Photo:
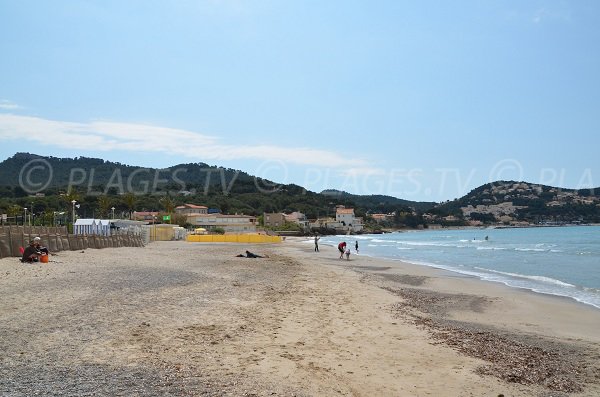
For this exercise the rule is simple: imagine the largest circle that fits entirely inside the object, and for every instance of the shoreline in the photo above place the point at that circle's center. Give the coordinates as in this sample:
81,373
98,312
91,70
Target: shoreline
455,273
178,318
447,280
540,283
514,323
475,307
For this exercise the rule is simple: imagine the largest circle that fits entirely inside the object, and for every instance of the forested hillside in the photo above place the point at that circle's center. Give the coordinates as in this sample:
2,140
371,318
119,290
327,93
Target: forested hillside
99,185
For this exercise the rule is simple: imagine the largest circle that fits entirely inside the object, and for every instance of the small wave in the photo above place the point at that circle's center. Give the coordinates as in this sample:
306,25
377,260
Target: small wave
543,279
376,240
594,290
492,248
539,284
430,244
531,249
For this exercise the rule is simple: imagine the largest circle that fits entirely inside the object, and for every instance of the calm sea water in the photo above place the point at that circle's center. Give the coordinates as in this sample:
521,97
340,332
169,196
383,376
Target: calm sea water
561,261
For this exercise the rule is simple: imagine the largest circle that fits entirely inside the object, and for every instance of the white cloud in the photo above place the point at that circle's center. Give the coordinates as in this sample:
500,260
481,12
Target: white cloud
8,105
363,171
107,136
558,12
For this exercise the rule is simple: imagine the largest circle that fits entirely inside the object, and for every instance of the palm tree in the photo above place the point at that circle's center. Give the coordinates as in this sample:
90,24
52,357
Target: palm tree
130,200
72,194
169,205
103,205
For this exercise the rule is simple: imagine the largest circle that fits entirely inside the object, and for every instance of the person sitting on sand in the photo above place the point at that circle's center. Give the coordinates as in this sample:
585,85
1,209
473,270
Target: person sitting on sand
40,247
31,253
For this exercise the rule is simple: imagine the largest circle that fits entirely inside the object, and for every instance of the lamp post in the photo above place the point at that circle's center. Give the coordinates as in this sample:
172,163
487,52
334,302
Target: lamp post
154,226
25,216
31,215
113,212
73,218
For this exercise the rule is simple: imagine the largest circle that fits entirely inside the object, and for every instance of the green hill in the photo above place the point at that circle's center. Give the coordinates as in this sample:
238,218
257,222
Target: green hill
59,179
511,202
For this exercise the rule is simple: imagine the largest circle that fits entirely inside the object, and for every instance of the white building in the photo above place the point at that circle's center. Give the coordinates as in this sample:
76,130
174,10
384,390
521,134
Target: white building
348,222
88,226
84,226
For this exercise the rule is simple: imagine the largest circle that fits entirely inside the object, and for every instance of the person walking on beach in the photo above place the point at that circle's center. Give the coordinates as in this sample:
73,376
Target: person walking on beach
342,249
317,242
356,246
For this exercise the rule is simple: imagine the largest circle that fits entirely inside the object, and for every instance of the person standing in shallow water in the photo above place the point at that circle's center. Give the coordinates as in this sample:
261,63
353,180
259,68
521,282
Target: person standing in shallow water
317,243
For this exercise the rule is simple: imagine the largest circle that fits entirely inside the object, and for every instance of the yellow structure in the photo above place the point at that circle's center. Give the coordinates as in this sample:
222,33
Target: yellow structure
164,232
233,238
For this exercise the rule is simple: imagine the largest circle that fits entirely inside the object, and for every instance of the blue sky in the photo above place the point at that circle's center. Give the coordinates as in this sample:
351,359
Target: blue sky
419,100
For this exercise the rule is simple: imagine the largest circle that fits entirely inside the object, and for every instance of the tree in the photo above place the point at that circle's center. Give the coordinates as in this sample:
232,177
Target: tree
168,204
103,206
129,200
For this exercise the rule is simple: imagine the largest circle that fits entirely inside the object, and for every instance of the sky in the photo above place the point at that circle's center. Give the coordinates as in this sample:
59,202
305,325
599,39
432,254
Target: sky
420,100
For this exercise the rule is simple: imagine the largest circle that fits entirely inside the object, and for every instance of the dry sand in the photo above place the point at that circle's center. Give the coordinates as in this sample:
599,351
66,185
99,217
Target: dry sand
191,319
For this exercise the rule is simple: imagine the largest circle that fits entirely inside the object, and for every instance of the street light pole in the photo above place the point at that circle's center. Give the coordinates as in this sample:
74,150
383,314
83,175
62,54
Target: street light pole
25,216
154,216
113,212
73,218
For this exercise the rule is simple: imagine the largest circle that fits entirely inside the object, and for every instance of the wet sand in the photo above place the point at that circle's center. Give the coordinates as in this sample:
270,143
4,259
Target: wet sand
192,319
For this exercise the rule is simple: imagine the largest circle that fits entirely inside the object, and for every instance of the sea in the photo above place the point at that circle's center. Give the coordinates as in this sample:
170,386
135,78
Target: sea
563,261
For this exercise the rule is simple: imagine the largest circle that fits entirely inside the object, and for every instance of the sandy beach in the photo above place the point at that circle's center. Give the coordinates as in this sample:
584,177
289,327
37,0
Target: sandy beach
192,319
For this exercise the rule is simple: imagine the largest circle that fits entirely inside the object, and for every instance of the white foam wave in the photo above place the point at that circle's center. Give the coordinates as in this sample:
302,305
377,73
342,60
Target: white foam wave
538,284
542,279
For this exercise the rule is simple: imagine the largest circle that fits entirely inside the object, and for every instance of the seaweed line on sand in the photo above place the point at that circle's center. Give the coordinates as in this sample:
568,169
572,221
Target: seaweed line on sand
512,357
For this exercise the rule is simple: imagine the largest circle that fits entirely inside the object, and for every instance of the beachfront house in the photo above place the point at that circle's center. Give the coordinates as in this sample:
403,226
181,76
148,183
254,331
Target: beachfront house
228,223
298,218
274,219
346,220
191,209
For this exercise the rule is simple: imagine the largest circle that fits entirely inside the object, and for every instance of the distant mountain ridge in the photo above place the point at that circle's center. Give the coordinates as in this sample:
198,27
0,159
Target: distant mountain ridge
106,177
501,202
383,200
513,202
86,171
